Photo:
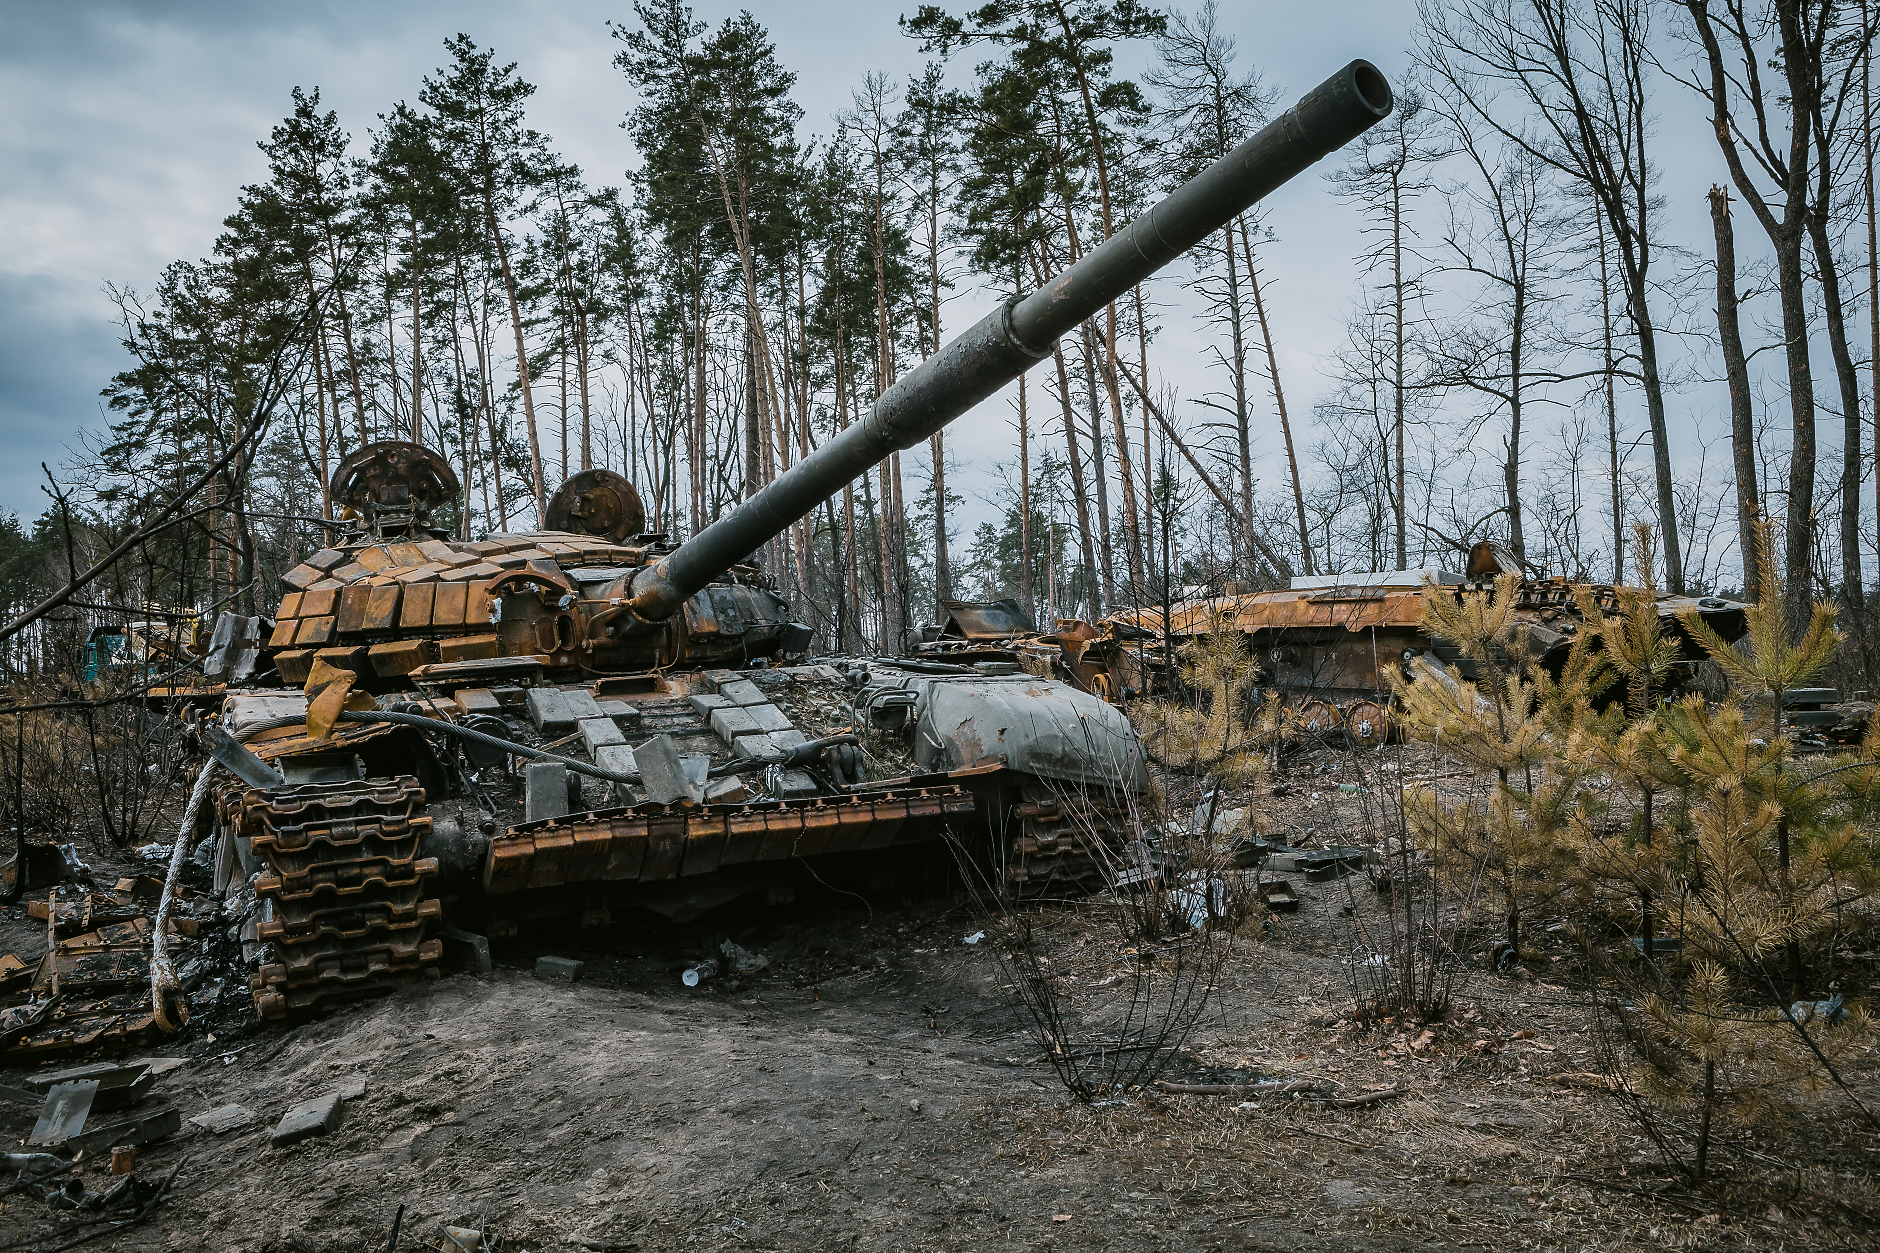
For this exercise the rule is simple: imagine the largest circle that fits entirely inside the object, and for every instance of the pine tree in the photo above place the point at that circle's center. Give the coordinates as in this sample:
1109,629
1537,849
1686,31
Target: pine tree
1512,717
478,105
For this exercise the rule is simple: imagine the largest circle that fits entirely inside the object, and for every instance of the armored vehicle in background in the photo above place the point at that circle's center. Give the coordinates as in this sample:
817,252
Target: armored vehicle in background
411,665
1329,644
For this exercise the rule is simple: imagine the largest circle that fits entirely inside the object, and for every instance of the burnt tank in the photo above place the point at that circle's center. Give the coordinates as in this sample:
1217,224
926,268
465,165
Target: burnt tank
408,667
1330,645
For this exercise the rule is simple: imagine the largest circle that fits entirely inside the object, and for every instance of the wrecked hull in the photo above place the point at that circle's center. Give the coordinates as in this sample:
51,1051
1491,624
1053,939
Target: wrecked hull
1331,647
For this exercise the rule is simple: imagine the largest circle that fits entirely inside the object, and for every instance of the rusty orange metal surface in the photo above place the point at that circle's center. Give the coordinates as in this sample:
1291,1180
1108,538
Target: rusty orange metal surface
654,842
1290,610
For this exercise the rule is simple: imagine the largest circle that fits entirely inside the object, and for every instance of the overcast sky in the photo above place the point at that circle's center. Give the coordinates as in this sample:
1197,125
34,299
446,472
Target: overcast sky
129,127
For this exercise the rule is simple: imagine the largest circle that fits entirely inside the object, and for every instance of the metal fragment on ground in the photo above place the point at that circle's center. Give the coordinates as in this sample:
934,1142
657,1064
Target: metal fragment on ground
146,1128
67,1106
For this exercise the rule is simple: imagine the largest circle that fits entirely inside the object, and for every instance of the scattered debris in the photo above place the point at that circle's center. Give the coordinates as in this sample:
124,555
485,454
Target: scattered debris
1320,865
700,972
974,938
317,1117
1276,1087
558,968
463,1239
120,1086
740,960
1830,1011
1279,896
142,1129
67,1107
466,950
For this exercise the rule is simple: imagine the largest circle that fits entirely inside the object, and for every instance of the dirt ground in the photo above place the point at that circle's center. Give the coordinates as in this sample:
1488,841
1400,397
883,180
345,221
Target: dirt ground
874,1088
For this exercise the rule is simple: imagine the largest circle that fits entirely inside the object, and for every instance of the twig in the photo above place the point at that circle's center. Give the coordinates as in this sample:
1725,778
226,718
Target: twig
1369,1098
1324,1135
1238,1089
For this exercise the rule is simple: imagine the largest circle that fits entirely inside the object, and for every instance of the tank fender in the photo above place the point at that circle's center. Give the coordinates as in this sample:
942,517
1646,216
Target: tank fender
1041,727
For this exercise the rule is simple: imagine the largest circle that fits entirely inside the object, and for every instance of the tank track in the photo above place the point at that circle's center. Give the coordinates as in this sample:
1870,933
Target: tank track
1068,842
343,893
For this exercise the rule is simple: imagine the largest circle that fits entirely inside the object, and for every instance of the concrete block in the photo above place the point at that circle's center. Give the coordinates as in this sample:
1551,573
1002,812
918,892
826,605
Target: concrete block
224,1119
596,732
769,718
558,968
757,745
742,692
625,716
466,950
582,704
729,790
797,785
698,769
715,679
317,1117
704,704
479,700
545,791
663,774
618,758
732,722
549,709
788,739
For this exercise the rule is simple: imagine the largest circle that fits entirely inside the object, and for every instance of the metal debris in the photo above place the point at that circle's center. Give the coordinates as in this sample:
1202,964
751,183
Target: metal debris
67,1106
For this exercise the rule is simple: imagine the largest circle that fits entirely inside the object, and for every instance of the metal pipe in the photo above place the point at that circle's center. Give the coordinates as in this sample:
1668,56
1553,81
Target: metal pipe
1020,331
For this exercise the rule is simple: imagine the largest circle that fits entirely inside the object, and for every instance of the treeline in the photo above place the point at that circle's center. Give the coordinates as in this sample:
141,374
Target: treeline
445,276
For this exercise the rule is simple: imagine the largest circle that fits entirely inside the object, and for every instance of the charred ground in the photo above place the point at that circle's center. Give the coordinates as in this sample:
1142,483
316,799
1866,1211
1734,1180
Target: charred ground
874,1087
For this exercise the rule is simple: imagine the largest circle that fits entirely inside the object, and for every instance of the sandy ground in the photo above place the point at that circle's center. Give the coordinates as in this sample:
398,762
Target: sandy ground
874,1088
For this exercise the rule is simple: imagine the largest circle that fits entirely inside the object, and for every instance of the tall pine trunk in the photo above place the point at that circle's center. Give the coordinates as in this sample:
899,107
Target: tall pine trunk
522,360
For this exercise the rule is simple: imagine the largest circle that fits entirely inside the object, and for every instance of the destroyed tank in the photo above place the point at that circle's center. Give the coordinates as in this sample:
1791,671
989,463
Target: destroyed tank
1328,644
407,665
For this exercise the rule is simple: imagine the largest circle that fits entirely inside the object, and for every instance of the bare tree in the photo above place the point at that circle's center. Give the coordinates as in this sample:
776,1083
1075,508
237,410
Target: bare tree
1580,68
1746,112
1503,236
1384,182
1736,371
1206,108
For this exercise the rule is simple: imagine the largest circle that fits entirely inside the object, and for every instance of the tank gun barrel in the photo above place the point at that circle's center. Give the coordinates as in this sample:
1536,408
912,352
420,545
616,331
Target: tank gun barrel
1021,331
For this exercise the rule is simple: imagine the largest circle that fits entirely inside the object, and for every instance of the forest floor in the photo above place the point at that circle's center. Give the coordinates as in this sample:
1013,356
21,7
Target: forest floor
875,1088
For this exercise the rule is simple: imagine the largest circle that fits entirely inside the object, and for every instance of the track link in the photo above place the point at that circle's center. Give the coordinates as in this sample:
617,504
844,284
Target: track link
1069,843
343,893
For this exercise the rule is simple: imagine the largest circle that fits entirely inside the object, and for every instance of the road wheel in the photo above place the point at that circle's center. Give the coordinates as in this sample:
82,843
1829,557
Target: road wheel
1369,724
1318,717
